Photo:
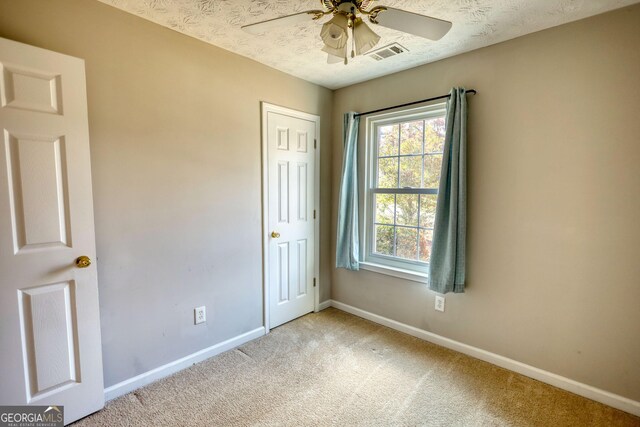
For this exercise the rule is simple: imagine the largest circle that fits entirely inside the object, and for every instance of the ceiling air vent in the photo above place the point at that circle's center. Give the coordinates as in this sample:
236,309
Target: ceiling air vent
387,52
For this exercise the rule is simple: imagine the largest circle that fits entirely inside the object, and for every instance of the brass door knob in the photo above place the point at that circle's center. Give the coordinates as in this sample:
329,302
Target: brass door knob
83,261
275,234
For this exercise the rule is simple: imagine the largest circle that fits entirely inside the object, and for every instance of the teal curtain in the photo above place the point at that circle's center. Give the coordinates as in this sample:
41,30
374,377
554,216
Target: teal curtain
447,265
348,245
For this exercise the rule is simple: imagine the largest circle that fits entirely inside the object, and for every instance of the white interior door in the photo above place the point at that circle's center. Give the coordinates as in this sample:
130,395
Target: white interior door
291,223
50,351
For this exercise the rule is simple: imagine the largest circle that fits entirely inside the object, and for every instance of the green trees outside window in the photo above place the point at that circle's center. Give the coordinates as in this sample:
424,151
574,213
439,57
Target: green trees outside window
408,163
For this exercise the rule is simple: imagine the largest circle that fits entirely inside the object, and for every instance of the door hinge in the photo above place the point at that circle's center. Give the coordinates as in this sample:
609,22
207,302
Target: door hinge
314,282
314,214
315,143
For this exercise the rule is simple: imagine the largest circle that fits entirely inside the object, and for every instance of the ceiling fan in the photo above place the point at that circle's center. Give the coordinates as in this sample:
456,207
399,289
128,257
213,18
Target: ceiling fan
348,16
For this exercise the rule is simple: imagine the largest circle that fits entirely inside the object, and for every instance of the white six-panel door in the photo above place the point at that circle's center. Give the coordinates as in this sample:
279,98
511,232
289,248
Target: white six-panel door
50,347
291,163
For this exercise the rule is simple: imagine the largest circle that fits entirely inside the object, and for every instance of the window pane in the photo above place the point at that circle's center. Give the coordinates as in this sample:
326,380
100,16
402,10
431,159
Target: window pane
384,240
432,167
407,209
411,171
411,135
385,208
408,156
388,140
407,241
428,210
388,173
434,135
426,238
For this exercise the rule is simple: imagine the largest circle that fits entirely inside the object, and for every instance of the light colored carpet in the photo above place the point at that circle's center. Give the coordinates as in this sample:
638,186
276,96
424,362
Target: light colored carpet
332,368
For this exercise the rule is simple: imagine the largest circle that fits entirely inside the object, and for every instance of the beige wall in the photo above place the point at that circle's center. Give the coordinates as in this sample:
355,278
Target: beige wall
554,206
175,145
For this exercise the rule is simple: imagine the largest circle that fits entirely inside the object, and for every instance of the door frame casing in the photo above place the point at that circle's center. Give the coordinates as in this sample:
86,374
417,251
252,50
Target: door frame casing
267,108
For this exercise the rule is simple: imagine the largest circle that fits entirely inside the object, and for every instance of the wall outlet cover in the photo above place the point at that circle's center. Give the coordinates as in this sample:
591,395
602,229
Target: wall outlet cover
440,303
199,315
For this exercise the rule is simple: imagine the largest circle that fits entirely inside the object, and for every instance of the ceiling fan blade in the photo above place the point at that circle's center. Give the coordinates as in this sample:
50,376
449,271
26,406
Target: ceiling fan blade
296,18
413,23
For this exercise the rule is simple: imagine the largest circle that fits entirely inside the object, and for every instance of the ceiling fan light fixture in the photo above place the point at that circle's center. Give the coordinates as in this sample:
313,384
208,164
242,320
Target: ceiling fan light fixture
332,59
334,33
364,37
340,52
349,15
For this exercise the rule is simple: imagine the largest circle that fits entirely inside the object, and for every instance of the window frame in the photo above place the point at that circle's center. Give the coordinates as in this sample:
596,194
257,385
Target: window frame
404,268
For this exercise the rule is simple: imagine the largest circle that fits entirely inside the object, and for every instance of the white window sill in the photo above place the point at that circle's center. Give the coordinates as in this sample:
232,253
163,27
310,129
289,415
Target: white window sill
395,272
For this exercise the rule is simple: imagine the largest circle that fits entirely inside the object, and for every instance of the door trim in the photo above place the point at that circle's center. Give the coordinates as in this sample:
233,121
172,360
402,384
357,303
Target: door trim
271,108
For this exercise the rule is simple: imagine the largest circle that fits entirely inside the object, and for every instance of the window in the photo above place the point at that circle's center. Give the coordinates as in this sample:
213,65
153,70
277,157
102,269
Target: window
404,160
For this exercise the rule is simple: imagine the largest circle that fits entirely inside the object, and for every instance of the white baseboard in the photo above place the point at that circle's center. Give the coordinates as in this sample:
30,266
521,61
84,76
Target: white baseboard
141,380
599,395
324,305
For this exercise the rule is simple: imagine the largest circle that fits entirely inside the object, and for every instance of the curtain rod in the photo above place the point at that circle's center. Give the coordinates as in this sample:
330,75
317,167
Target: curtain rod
470,91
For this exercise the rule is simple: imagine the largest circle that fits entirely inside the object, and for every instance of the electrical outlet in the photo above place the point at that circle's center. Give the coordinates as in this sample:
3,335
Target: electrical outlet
199,315
439,303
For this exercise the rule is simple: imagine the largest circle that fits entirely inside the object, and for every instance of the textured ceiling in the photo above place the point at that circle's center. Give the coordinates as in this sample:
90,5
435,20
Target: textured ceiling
296,50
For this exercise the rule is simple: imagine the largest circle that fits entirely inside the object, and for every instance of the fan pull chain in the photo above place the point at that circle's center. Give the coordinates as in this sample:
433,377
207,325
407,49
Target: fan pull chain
346,61
353,20
353,41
